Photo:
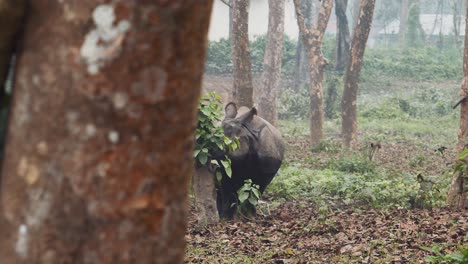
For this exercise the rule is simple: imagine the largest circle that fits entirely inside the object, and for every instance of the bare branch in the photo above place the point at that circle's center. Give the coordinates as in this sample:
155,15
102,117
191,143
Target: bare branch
226,3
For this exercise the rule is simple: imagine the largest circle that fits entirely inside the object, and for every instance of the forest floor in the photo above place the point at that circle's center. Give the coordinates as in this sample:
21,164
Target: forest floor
298,231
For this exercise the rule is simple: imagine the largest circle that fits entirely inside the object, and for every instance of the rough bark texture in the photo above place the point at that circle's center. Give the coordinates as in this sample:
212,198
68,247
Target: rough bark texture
11,17
353,73
99,151
458,192
404,13
312,41
271,76
204,189
242,65
301,76
342,36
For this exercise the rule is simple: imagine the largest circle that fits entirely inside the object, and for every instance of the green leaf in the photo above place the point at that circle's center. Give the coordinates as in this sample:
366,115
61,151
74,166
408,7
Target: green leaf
228,171
195,153
219,176
463,154
253,201
203,158
256,192
220,145
227,141
457,257
226,164
243,196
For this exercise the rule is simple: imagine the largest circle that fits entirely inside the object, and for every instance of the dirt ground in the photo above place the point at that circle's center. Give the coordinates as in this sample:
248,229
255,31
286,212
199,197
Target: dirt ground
299,232
296,232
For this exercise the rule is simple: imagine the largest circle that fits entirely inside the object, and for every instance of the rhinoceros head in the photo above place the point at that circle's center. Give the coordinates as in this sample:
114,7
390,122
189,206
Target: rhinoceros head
236,124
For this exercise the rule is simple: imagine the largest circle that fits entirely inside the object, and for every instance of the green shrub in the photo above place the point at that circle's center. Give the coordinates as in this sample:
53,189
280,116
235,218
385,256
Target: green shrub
460,257
327,145
248,196
209,137
294,104
353,163
422,63
370,189
219,55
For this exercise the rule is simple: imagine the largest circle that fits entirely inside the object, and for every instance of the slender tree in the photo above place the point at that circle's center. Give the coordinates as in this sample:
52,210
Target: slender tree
243,87
355,13
312,41
353,73
301,75
99,146
342,36
403,28
415,32
457,7
458,192
271,76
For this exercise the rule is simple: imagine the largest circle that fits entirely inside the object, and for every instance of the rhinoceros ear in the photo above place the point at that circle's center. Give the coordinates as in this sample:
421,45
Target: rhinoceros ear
230,111
247,117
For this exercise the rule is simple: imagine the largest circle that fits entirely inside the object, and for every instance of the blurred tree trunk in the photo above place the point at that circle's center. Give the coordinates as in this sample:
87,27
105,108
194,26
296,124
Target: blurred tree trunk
242,65
458,193
403,28
342,36
90,176
312,41
11,16
457,6
353,73
230,19
415,32
301,77
355,14
271,76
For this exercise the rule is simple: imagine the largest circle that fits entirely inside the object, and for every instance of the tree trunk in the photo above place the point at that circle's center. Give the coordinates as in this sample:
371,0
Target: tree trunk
11,16
355,13
353,73
312,41
230,19
204,188
403,28
342,36
457,5
271,76
458,193
242,65
415,32
302,65
99,147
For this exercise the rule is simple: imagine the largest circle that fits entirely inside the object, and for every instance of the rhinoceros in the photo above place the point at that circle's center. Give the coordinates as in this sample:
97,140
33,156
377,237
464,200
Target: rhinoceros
258,158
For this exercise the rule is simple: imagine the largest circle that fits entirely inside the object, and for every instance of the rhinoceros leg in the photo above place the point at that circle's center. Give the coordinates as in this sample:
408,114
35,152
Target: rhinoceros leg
226,198
268,169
